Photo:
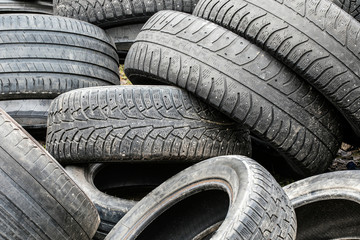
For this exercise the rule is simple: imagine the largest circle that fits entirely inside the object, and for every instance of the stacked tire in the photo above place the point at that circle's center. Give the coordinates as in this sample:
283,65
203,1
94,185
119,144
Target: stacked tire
153,161
43,56
122,20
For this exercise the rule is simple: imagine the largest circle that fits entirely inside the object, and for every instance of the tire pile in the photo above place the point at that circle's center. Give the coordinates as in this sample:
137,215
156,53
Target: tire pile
169,157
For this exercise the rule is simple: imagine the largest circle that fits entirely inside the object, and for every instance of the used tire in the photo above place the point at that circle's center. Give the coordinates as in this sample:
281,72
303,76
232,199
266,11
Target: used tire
327,206
29,113
26,6
124,36
139,123
350,6
42,56
228,197
115,188
316,39
242,81
109,13
38,200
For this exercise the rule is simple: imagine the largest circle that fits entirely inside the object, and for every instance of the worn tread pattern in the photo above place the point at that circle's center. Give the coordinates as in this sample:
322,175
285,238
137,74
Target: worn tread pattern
260,210
242,81
34,6
29,113
350,6
122,123
313,37
38,200
107,13
42,56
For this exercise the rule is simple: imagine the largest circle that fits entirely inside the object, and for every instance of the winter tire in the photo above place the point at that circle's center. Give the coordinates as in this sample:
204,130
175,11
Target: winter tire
38,200
317,39
327,206
26,6
350,6
115,188
242,81
111,13
42,56
139,123
228,197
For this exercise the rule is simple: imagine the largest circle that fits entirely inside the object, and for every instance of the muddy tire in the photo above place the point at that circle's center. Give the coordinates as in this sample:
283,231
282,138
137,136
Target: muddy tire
110,13
26,6
316,39
243,82
38,199
225,197
42,56
327,206
139,123
116,188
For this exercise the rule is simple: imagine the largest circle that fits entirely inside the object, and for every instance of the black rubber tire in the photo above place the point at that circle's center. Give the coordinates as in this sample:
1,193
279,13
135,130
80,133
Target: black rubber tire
38,199
29,113
350,6
327,206
26,6
110,13
139,123
124,36
115,188
42,56
242,81
234,187
315,38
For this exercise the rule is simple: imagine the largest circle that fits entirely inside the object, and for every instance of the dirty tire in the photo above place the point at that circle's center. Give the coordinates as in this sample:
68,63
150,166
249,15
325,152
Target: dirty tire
128,182
242,81
327,206
237,193
124,36
314,38
36,6
350,6
38,199
42,56
109,13
29,113
139,123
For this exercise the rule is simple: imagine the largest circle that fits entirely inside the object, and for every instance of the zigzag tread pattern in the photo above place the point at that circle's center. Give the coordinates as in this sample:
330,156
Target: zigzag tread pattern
106,13
139,123
225,87
350,6
331,64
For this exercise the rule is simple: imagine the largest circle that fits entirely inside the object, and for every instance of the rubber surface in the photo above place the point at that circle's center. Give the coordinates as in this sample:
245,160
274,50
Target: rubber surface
110,13
139,123
255,205
315,38
350,6
29,113
327,206
124,36
116,188
38,200
42,56
242,81
33,6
